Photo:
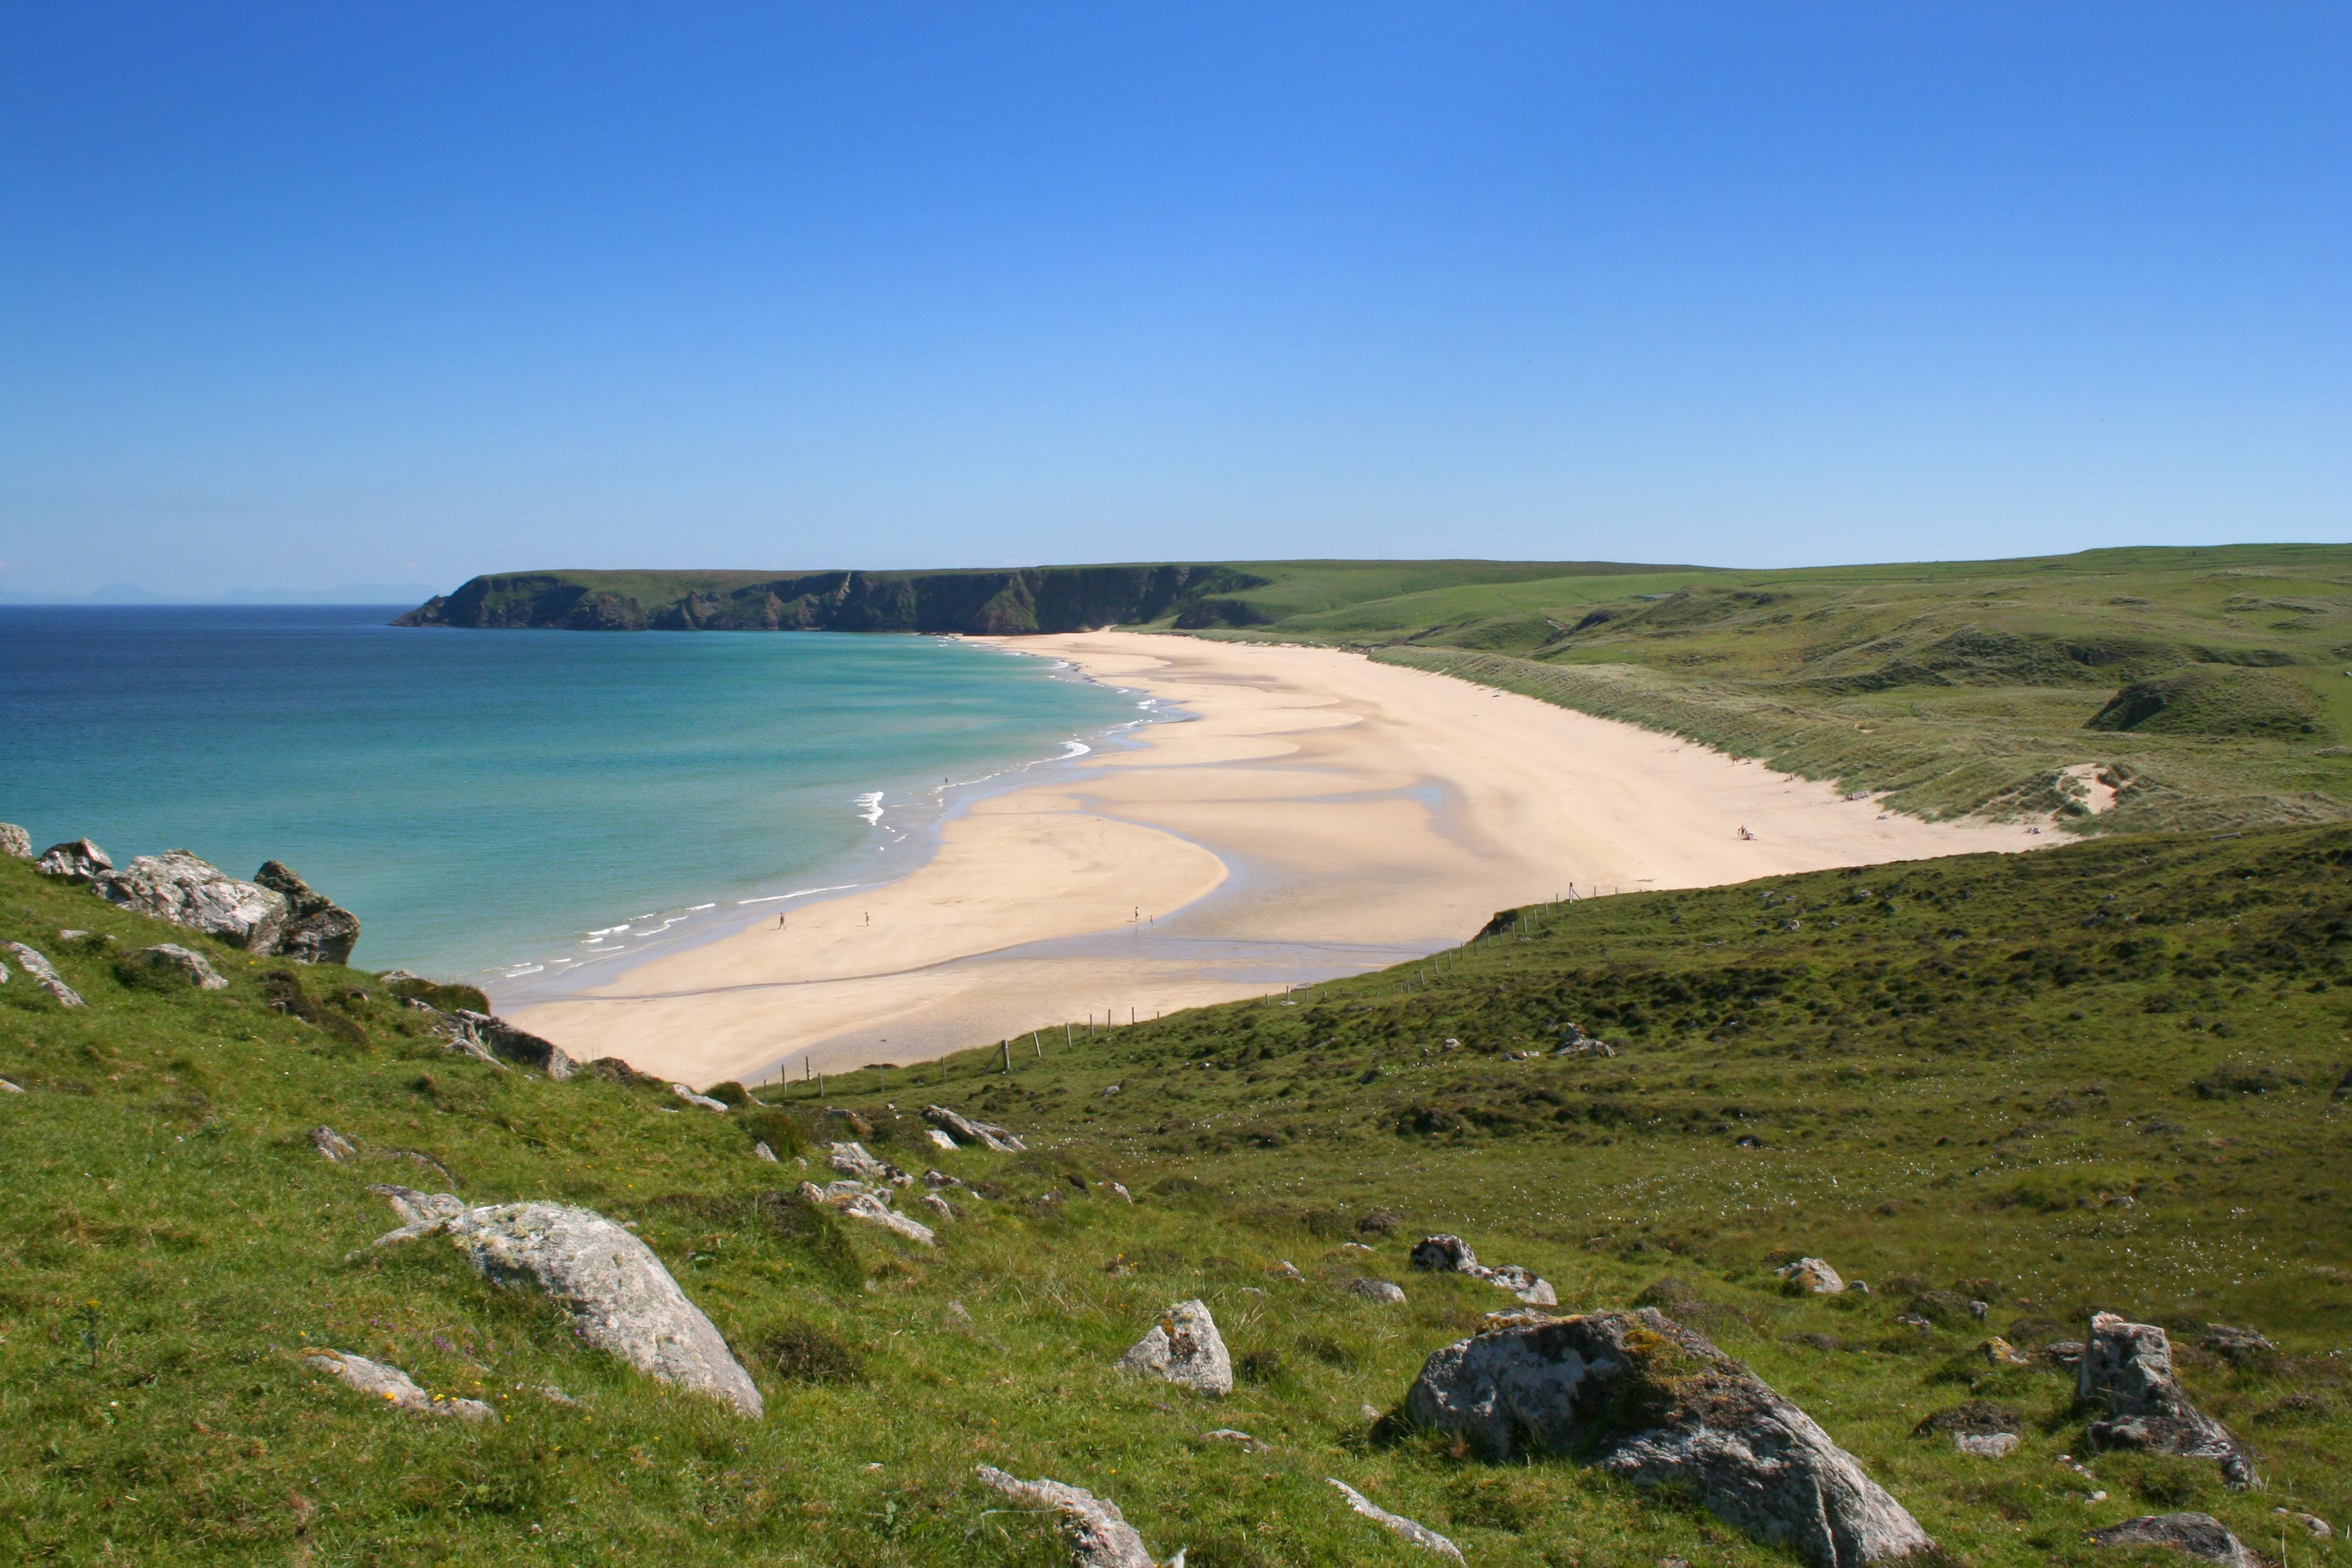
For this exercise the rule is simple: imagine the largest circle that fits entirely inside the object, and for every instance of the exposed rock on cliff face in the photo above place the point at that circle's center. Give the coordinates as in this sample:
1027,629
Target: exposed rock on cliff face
1000,602
318,930
78,858
1655,1403
177,887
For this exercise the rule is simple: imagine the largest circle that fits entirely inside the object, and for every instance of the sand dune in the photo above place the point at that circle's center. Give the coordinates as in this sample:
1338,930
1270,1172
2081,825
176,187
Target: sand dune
1319,815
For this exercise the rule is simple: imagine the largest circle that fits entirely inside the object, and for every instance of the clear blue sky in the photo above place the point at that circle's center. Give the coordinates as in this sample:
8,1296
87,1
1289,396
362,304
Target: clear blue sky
299,294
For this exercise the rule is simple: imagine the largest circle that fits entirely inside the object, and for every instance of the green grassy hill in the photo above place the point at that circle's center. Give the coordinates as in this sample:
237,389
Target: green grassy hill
2099,1077
2210,684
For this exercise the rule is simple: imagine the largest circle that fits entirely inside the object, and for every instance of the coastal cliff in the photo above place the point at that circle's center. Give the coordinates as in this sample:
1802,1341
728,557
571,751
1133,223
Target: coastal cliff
988,601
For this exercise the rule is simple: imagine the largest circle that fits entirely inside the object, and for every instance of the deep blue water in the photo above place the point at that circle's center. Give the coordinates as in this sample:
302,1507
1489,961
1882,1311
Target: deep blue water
487,801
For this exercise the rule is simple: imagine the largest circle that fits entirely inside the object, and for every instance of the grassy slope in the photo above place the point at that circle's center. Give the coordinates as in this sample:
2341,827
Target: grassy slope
1956,686
1952,1068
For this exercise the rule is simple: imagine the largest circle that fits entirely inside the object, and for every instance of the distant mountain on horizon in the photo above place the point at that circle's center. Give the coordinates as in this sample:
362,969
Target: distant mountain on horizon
132,594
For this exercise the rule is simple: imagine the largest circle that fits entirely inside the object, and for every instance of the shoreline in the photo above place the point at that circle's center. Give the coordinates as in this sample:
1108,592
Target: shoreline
1314,814
908,815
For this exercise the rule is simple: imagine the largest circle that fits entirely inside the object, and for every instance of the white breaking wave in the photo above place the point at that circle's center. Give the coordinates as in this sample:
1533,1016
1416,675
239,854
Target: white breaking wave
869,807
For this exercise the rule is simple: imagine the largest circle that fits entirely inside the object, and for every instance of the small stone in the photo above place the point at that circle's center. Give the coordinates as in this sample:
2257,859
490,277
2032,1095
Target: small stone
1228,1434
1098,1534
1979,1309
8,1087
46,976
333,1144
940,1138
394,1386
703,1101
2317,1526
1986,1445
1286,1270
2000,1352
761,1151
1421,1535
970,1132
1379,1290
1124,1196
939,1205
14,842
2198,1534
2236,1344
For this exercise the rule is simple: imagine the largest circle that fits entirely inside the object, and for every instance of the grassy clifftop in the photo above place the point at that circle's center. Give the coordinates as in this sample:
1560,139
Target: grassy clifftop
2098,1077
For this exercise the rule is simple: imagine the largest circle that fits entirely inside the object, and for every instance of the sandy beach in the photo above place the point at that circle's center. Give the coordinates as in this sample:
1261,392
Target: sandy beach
1320,815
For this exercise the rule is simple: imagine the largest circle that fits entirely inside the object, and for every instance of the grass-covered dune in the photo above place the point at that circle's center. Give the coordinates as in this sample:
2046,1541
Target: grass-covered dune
2100,1076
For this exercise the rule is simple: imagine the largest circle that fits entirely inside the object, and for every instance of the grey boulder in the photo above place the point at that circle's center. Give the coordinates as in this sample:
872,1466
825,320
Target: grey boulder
44,976
1656,1405
318,930
1381,1291
2198,1534
170,957
78,858
2127,1367
1184,1348
1420,1534
621,1298
14,842
507,1042
175,886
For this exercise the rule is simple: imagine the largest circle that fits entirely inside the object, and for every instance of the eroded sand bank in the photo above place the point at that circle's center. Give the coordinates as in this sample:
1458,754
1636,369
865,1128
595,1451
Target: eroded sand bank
1322,814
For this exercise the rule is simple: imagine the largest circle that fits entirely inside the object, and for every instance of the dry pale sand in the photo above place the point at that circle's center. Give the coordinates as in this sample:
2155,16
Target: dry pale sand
1321,815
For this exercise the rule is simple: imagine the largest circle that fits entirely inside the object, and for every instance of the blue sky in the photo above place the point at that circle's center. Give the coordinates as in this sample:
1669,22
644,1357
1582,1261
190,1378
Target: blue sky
297,295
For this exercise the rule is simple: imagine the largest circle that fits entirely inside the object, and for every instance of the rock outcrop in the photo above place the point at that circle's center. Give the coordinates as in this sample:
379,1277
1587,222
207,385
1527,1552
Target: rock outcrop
2198,1534
1452,1255
175,886
392,1385
171,958
853,1160
1656,1405
523,1048
44,976
78,858
1184,1348
318,930
1421,1535
685,1093
1098,1534
2128,1368
14,842
967,1130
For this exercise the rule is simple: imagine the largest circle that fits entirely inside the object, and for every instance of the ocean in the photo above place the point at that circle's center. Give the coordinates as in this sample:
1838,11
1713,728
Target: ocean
513,808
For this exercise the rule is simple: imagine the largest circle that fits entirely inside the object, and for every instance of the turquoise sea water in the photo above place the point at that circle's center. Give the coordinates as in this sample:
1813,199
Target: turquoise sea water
497,803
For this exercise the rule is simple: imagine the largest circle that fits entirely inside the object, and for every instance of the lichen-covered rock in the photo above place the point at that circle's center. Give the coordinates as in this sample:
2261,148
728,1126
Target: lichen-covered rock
853,1160
2198,1534
14,842
392,1385
1098,1534
1184,1348
176,886
1382,1291
1986,1445
967,1130
44,976
2127,1367
170,957
78,858
621,1298
1658,1406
